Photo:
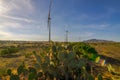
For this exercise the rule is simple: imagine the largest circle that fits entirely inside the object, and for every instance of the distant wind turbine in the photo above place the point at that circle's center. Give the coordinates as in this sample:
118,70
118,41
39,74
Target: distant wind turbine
49,20
66,35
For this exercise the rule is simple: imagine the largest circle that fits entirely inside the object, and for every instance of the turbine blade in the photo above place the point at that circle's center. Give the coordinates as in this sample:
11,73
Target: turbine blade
49,17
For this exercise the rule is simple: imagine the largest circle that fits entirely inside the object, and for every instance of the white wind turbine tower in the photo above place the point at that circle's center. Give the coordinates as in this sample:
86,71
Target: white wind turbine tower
66,37
49,20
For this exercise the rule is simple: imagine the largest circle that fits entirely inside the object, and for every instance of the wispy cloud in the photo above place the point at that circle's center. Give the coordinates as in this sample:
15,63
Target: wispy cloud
17,18
87,34
97,26
4,29
17,31
77,36
7,25
3,33
6,35
3,8
10,8
90,26
17,5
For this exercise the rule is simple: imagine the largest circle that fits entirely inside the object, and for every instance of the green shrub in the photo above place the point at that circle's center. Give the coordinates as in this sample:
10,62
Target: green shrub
85,50
4,52
14,77
28,55
9,72
3,71
8,51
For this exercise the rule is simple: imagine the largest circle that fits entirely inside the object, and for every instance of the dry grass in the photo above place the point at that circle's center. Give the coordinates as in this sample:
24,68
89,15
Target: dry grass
112,51
108,49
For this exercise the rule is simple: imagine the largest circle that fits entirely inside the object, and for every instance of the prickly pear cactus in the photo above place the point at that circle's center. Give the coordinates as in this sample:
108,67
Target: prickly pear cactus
32,70
9,72
14,77
64,62
31,76
39,75
100,77
20,69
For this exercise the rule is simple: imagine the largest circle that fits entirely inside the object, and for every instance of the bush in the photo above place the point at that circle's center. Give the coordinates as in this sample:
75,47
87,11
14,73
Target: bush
3,72
8,51
85,50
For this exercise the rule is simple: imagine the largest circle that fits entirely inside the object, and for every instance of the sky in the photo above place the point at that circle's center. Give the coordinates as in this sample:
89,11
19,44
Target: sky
84,19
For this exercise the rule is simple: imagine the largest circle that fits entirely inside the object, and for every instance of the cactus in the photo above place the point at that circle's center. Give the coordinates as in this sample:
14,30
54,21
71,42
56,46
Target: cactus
14,77
25,72
100,77
39,75
65,63
9,72
32,70
54,48
20,69
31,76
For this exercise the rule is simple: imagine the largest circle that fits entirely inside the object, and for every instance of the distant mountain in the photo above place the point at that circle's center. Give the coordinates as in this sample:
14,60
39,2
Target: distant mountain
96,40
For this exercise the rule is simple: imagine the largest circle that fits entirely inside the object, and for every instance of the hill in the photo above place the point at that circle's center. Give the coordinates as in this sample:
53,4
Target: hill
96,41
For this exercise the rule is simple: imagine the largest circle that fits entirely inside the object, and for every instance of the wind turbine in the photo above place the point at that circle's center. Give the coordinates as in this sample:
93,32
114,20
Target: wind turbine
49,20
66,35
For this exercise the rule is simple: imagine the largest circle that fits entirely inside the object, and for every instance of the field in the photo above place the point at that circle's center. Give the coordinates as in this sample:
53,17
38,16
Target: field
108,51
23,55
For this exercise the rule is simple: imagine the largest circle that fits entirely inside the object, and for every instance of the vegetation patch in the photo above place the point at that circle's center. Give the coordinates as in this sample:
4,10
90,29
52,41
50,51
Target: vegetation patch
8,51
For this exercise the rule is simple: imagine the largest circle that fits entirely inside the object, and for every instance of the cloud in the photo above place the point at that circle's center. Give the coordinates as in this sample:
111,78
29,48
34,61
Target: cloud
77,36
98,26
17,5
91,26
6,34
3,33
4,29
2,8
87,34
8,25
17,18
11,9
11,36
31,37
18,31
